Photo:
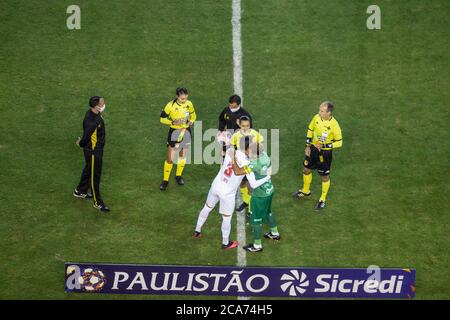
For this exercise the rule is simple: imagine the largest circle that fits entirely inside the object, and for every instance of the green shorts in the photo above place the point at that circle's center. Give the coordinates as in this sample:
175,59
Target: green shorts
260,207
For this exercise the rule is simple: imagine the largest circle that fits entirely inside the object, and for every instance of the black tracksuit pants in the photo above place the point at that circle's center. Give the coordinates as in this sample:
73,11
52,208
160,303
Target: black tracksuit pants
90,177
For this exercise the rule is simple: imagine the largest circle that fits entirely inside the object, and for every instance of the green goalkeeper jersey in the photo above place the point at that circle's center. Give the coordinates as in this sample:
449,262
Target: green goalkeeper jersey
259,167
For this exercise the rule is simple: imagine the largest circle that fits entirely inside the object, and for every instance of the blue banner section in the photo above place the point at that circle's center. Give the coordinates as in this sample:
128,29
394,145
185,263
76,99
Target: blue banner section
289,282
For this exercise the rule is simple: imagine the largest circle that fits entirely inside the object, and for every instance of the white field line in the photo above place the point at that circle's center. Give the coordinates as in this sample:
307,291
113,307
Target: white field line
237,81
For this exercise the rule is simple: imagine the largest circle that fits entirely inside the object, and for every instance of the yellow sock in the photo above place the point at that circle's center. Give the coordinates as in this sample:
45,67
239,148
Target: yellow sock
245,195
325,188
180,166
307,179
167,170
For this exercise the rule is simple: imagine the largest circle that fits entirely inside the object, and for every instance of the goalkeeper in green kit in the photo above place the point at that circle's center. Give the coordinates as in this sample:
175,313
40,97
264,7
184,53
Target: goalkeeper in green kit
261,201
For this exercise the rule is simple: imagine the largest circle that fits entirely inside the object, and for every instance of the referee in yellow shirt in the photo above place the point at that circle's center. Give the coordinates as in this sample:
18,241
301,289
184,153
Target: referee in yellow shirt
179,114
245,130
324,135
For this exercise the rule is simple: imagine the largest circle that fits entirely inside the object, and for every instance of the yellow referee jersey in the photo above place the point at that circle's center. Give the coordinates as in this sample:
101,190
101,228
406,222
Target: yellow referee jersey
237,136
182,113
328,132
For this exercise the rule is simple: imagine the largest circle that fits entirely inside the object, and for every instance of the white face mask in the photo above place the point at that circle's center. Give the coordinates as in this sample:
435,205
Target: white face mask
103,108
236,109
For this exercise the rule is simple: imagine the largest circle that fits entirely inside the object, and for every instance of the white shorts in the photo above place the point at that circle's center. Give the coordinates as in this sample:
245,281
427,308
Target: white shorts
226,202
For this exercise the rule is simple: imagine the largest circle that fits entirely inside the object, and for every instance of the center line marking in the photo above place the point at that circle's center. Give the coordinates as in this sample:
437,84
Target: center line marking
237,81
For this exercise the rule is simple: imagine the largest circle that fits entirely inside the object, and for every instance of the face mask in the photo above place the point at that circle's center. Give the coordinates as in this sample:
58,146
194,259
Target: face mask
234,110
103,108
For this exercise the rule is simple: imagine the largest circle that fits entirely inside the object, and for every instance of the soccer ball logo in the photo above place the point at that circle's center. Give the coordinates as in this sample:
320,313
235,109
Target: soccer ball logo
92,280
295,282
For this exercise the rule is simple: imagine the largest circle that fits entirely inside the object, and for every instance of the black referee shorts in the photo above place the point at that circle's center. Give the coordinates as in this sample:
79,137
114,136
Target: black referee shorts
174,134
320,160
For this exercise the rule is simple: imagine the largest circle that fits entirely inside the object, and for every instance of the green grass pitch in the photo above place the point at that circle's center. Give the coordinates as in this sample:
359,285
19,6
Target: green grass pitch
388,202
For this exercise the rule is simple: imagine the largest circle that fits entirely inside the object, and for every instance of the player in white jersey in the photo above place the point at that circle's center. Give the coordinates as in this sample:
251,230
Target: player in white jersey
223,191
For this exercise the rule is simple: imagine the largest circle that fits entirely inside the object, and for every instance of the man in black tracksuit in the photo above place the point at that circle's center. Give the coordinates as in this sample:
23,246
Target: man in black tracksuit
92,142
228,119
228,124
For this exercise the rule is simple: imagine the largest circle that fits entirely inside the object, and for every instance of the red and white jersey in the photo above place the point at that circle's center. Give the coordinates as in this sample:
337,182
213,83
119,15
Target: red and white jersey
226,182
